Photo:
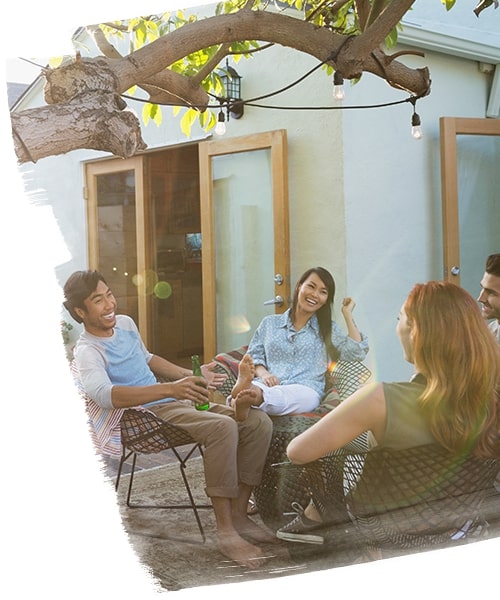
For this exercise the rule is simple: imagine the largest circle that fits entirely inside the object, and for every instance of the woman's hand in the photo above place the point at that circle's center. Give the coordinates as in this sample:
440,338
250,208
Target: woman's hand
214,380
270,380
267,378
348,305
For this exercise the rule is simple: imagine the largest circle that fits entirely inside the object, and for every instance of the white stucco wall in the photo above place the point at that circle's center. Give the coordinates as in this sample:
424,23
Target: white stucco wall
393,195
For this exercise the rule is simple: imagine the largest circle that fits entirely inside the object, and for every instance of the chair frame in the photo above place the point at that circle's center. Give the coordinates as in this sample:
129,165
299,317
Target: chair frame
145,433
277,490
410,499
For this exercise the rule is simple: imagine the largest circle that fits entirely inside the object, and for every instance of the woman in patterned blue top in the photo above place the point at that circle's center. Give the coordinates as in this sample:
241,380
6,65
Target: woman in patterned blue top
284,369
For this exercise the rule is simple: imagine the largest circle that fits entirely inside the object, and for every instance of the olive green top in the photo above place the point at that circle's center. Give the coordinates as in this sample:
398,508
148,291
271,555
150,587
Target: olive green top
405,425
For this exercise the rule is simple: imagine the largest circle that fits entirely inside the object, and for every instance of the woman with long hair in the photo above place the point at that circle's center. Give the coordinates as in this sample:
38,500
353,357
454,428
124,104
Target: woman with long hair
451,400
284,369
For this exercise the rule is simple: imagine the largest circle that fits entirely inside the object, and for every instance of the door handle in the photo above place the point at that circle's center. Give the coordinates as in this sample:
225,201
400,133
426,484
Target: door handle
276,300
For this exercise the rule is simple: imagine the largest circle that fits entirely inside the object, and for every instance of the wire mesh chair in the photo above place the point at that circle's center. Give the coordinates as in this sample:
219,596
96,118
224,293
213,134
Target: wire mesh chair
407,499
278,489
346,377
142,432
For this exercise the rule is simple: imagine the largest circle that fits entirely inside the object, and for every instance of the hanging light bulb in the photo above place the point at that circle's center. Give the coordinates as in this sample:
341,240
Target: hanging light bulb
338,86
416,126
220,128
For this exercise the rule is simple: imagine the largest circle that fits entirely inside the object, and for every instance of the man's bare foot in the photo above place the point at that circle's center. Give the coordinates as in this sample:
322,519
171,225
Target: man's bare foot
245,554
243,403
249,529
246,373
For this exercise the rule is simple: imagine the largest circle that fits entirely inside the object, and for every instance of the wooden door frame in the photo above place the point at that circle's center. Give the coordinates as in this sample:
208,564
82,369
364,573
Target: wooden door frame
276,141
104,167
449,128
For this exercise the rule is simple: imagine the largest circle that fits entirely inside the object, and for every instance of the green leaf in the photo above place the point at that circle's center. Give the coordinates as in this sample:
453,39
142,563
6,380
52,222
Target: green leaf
146,112
392,39
156,114
187,120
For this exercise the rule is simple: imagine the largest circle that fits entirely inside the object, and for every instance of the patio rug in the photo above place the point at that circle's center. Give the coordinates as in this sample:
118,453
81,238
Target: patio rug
168,543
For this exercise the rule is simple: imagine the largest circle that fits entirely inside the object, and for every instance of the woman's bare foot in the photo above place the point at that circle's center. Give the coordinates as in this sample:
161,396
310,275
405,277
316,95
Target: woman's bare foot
244,402
245,554
246,373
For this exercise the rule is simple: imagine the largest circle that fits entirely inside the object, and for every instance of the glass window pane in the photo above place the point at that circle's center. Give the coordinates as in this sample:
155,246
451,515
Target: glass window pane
116,223
479,208
243,210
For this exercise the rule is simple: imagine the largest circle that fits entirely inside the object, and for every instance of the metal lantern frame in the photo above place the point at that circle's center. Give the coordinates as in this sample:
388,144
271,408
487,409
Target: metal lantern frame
231,81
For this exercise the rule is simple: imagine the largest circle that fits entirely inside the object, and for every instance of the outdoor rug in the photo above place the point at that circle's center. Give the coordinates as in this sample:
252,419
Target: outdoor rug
168,543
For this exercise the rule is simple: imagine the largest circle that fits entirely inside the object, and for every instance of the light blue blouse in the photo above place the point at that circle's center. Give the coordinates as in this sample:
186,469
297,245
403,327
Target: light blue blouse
300,356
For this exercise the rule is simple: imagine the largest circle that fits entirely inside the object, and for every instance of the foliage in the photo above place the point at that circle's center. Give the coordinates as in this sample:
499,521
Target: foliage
65,329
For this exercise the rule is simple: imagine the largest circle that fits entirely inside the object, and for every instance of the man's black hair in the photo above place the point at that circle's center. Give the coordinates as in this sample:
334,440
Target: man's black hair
77,288
493,265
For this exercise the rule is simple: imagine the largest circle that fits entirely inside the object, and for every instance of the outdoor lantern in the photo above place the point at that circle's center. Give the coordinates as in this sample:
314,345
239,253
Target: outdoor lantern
232,85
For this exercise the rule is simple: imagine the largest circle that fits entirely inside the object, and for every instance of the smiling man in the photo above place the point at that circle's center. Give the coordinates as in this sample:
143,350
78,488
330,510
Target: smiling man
489,297
117,372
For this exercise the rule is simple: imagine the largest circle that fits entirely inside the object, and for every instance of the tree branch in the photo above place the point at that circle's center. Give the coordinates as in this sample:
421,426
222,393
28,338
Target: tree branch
211,64
102,43
363,12
101,125
378,30
165,87
268,27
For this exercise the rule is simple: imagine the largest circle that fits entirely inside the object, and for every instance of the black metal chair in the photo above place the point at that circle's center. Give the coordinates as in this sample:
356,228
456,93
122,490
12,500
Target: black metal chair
278,489
346,377
142,432
409,499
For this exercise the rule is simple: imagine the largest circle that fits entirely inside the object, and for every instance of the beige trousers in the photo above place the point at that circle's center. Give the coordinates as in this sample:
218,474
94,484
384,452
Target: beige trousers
234,452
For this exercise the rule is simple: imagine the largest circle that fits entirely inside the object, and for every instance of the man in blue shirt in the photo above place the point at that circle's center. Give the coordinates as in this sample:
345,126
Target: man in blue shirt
118,372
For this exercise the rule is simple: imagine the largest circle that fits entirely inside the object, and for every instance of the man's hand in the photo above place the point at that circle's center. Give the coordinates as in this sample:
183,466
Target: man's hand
213,379
189,388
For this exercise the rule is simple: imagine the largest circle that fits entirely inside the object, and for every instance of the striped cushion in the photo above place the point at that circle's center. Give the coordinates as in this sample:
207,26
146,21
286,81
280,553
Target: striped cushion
230,360
104,424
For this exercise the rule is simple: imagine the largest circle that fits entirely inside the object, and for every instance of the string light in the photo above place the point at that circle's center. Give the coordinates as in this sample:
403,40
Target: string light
416,124
220,128
338,86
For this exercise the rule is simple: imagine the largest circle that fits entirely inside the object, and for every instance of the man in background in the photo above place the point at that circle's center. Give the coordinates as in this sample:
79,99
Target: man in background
489,298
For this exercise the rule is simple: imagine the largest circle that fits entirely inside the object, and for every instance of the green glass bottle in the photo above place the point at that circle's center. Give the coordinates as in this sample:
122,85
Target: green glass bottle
195,362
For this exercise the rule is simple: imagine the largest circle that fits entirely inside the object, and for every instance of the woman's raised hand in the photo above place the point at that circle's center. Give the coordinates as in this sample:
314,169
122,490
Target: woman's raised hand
348,305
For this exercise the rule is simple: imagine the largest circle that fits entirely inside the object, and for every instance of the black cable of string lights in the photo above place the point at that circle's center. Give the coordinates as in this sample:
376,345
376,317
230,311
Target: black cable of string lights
227,102
224,101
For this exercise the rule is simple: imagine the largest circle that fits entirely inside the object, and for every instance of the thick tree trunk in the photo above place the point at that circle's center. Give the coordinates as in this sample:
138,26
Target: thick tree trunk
95,122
